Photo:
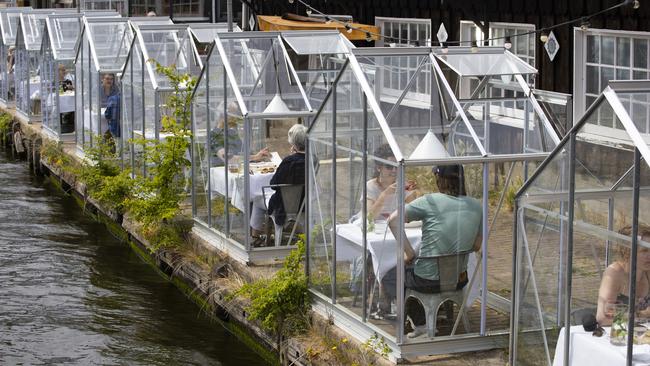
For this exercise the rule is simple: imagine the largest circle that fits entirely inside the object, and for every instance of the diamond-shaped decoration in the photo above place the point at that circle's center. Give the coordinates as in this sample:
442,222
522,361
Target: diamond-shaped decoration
442,33
251,23
551,46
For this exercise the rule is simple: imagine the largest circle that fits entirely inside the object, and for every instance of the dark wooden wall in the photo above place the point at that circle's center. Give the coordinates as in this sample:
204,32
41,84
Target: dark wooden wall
555,76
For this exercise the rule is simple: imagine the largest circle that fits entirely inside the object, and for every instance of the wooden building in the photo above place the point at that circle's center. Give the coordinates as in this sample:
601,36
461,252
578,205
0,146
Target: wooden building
613,46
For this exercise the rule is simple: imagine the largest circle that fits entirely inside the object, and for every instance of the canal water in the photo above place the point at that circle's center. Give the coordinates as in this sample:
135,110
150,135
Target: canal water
70,293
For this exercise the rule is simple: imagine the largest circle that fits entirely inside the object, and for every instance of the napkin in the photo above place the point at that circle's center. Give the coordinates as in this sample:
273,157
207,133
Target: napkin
275,158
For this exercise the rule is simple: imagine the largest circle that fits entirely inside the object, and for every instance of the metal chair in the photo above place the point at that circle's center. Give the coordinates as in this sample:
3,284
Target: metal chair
449,266
293,202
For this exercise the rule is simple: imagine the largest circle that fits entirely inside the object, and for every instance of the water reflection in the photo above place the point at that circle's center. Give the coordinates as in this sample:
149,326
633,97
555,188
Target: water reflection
71,293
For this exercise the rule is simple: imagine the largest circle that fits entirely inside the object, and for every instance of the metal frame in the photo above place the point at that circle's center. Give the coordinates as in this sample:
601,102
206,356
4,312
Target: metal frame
526,200
246,253
328,305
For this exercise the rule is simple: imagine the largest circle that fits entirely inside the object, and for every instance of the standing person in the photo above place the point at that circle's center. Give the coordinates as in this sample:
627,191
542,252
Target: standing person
615,285
110,101
451,223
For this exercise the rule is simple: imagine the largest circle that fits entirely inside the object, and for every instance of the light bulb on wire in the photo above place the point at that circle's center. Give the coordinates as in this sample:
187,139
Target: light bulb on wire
584,24
291,1
368,37
445,48
507,44
348,28
543,37
308,11
636,4
474,48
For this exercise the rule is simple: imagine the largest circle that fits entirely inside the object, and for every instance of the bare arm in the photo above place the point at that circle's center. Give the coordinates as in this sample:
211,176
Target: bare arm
610,287
393,223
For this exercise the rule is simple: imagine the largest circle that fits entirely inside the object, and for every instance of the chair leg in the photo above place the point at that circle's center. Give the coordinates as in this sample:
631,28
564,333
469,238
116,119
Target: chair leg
465,320
431,316
278,234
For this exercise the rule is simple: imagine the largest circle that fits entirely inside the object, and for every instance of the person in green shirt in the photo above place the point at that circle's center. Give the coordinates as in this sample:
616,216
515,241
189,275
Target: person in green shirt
451,223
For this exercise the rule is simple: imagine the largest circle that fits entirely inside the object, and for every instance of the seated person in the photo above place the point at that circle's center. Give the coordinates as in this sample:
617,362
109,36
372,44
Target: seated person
381,189
290,171
614,286
235,131
451,223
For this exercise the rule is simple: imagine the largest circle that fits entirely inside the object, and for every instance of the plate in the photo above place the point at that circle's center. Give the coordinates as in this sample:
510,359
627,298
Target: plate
413,224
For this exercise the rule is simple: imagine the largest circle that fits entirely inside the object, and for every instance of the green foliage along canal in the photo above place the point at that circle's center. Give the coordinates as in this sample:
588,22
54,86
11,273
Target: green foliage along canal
70,293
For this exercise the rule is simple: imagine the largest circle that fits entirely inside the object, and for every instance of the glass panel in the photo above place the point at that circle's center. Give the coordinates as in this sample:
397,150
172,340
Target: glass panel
640,53
111,43
483,63
263,74
608,48
593,48
541,243
315,44
622,51
321,198
592,79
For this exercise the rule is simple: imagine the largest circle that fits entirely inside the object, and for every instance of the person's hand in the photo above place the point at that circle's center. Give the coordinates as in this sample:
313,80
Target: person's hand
262,154
411,185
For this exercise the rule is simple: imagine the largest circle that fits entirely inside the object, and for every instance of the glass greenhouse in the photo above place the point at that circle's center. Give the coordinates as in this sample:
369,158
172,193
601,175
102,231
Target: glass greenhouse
57,70
145,90
9,28
582,234
27,68
249,81
392,129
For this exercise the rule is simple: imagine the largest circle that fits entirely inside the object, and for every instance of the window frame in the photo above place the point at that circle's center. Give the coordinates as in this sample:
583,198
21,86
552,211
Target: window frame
580,65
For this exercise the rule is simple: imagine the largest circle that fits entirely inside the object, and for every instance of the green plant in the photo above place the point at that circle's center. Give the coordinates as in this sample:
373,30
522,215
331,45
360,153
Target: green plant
159,194
378,345
514,187
52,153
103,176
5,123
281,303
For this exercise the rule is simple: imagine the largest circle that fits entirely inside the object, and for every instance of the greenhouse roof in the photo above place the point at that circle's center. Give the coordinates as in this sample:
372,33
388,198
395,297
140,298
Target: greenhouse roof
31,25
396,79
109,40
9,23
483,61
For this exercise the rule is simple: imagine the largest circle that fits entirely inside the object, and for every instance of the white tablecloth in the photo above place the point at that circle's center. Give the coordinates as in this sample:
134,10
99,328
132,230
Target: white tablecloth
236,185
66,102
586,349
383,249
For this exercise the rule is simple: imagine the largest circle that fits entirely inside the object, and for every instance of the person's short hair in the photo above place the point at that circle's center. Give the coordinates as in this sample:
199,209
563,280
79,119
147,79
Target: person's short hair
454,170
298,136
451,179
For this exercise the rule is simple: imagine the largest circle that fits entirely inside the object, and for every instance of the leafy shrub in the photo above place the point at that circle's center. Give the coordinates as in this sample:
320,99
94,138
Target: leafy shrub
282,302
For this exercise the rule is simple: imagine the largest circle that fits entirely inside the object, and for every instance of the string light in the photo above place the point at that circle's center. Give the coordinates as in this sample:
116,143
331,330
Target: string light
508,43
445,48
583,21
543,37
308,11
474,47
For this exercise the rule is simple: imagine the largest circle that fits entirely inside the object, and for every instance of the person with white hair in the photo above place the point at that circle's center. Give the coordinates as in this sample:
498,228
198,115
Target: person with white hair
290,171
